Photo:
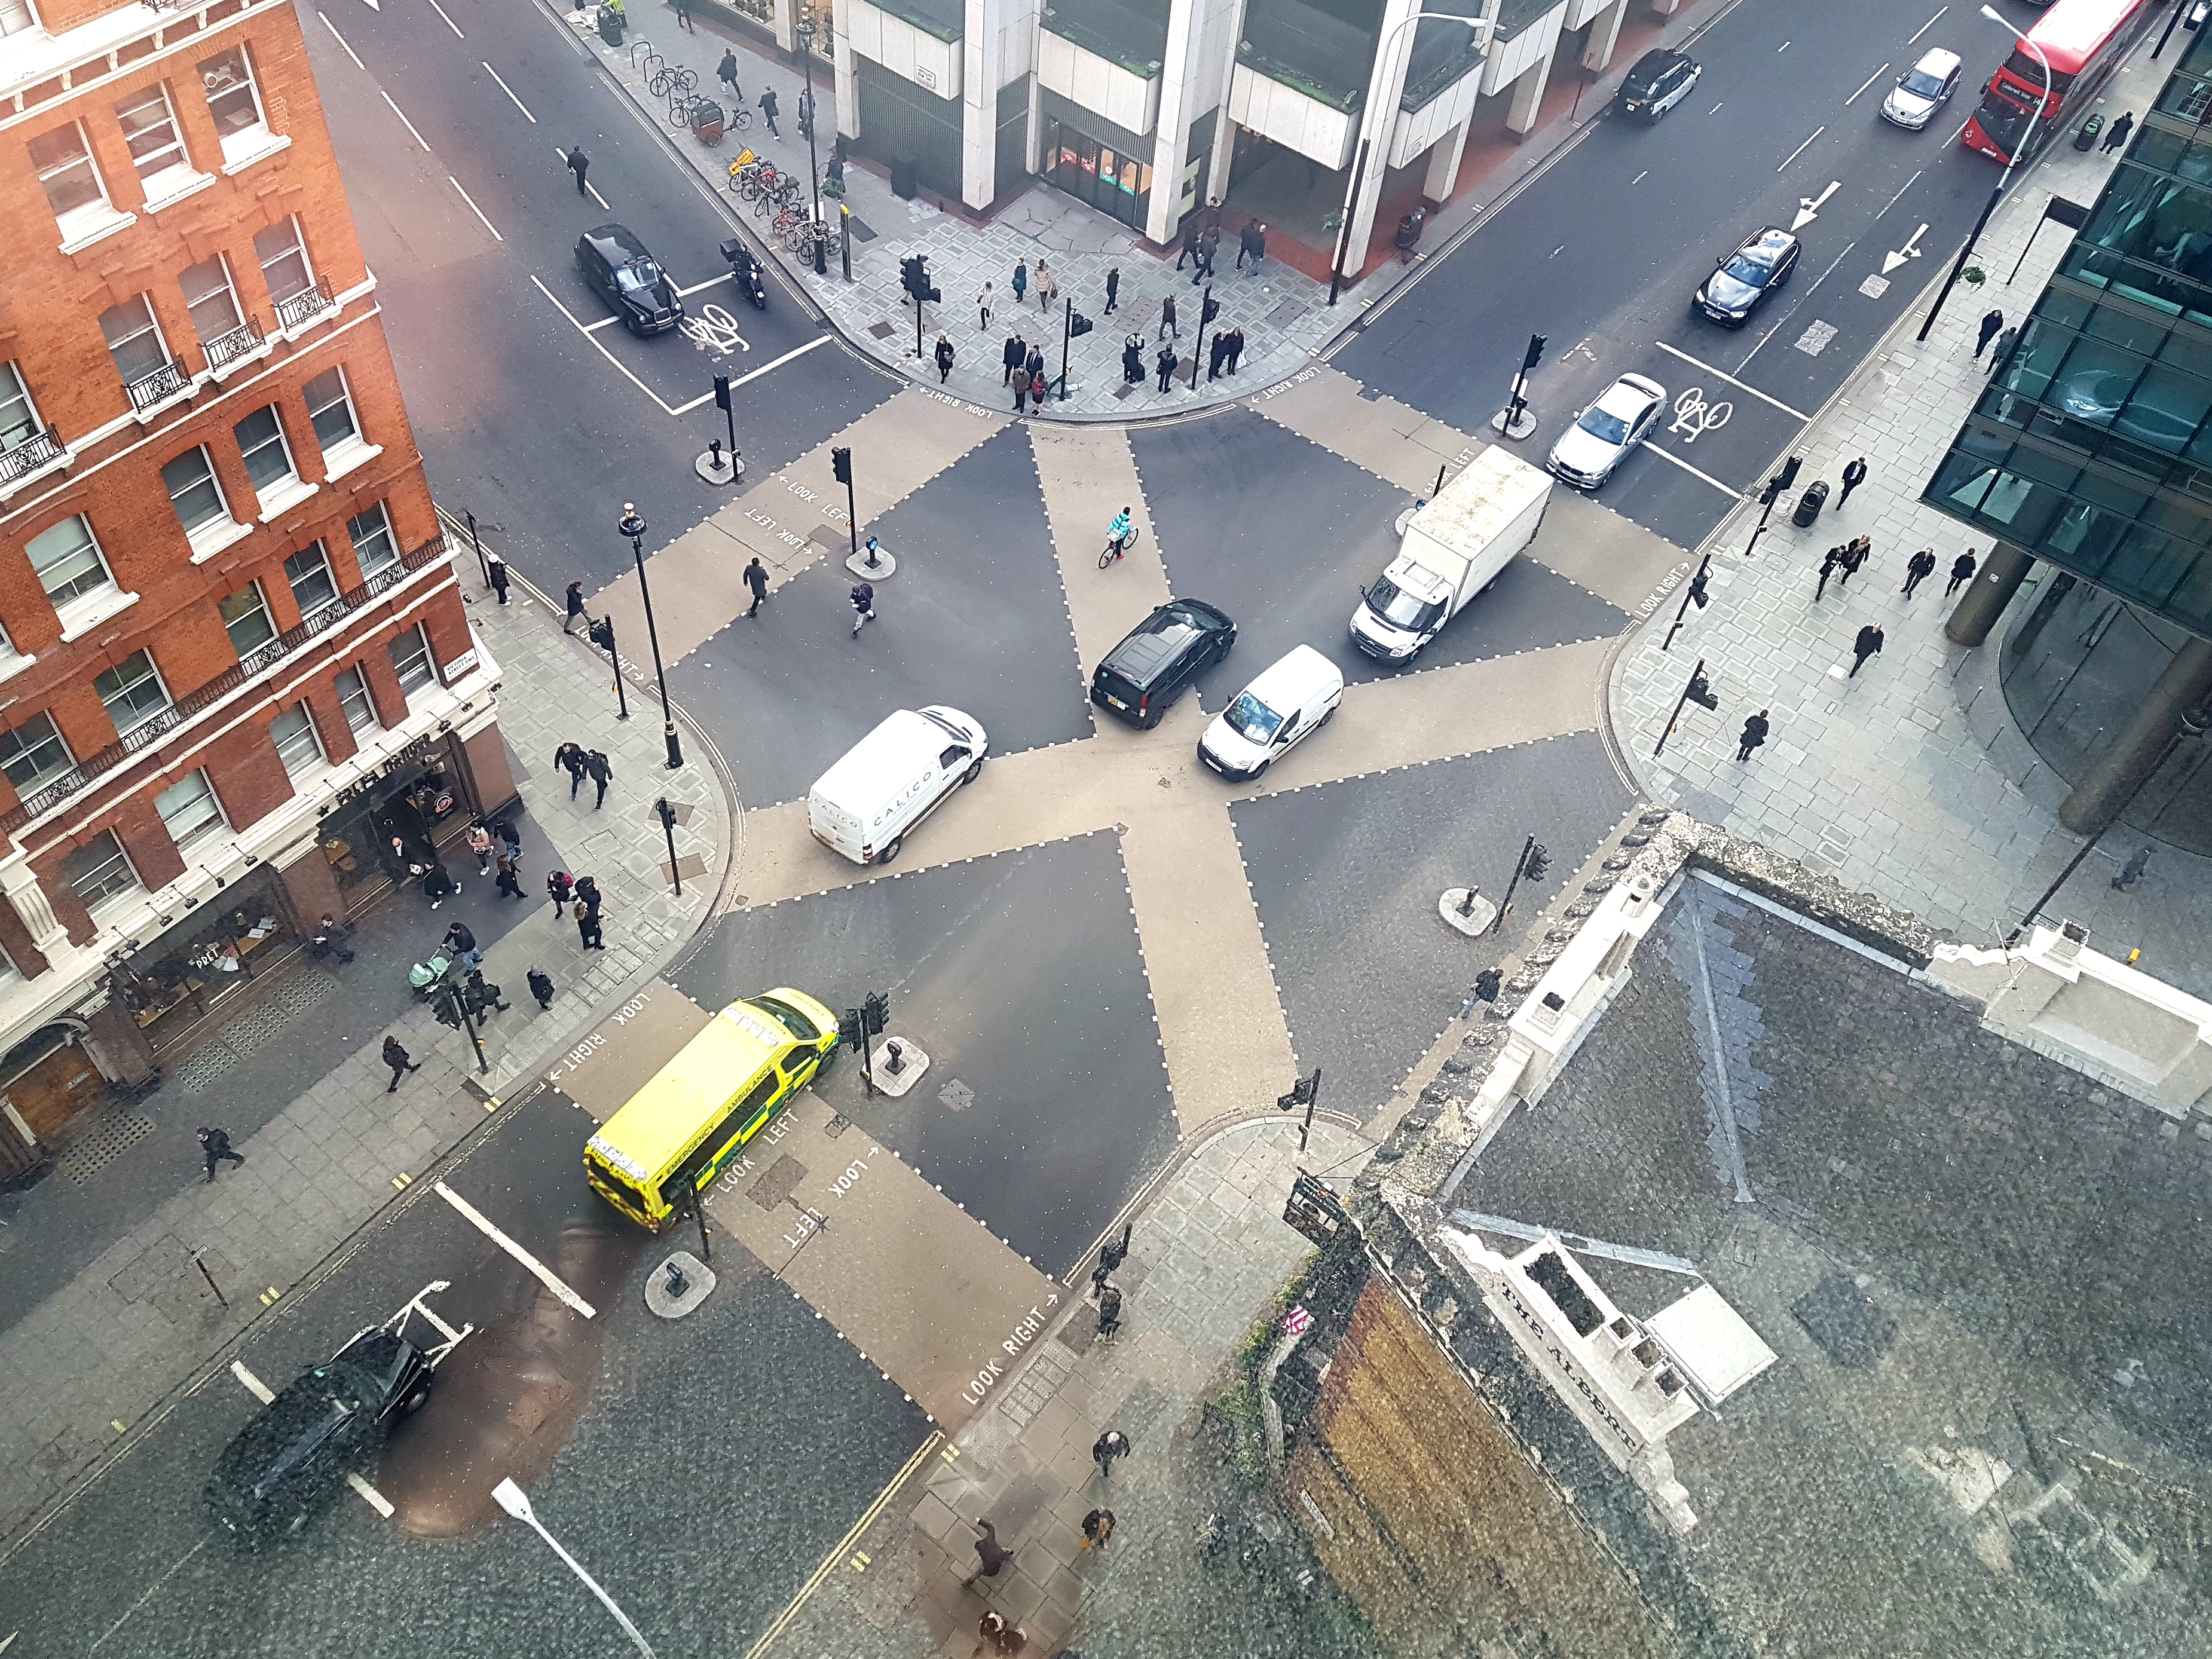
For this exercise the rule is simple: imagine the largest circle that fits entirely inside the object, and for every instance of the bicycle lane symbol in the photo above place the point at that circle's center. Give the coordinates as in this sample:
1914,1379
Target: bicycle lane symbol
1694,416
713,329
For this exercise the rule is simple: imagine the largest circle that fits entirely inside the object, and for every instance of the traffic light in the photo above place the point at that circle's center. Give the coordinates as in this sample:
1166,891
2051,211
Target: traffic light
1301,1092
1790,468
1212,309
1535,353
722,392
849,1027
1078,325
446,1013
602,633
1701,693
875,1012
840,463
1539,861
914,276
1698,595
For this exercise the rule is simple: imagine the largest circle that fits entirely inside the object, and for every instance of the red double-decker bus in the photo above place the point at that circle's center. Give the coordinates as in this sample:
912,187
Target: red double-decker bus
2084,41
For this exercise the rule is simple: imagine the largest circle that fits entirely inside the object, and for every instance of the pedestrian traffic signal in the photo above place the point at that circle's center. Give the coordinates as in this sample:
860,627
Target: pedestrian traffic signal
875,1012
1211,308
840,463
1078,325
1538,861
722,392
1698,595
602,633
1701,693
1535,353
1790,469
849,1027
446,1013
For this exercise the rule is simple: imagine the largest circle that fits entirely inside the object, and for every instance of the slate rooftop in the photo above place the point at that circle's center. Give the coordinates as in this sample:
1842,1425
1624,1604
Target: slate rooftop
1984,1275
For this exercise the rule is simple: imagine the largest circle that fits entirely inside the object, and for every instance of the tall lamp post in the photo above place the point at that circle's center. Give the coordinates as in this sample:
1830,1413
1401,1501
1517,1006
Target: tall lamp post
805,33
2004,178
632,525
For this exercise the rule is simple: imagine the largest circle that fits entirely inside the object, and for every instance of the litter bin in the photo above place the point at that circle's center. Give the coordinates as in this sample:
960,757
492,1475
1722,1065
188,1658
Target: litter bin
2086,138
1810,503
610,26
905,181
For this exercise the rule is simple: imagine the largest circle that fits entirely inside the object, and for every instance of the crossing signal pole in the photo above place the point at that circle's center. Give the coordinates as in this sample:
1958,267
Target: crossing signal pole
1534,861
1696,691
1514,421
840,463
1303,1093
871,1019
1770,494
1697,592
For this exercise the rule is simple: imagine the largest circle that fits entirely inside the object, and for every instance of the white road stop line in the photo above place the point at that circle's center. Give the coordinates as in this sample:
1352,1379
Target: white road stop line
254,1385
551,1281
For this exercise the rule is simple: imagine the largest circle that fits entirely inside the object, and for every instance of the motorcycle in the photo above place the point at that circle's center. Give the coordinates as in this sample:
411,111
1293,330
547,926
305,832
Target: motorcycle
747,269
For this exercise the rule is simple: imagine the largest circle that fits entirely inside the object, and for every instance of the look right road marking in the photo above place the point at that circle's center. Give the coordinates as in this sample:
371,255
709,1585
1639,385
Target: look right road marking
551,1281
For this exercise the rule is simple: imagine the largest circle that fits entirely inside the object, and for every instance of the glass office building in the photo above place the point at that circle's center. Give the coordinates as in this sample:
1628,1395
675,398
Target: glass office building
2091,451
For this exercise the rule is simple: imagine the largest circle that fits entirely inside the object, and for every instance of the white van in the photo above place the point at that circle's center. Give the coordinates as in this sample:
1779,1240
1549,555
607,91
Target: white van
1291,697
893,778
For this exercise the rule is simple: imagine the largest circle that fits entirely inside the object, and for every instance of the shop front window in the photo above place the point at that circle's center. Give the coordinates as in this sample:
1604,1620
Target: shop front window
179,978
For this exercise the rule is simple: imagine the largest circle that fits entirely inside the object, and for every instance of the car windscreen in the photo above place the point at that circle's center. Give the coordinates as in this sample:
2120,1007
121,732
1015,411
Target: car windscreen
1750,271
789,1017
1402,609
1603,424
1251,719
1921,84
638,274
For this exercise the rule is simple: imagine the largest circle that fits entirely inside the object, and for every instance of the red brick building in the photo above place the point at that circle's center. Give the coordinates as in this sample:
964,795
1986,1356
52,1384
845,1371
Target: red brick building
233,659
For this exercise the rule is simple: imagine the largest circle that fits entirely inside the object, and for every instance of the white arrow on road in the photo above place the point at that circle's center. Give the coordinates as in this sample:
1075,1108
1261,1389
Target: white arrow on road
374,5
1809,206
1892,260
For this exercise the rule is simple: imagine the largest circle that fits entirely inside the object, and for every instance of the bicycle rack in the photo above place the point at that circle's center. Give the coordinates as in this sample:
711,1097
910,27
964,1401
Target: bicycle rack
641,45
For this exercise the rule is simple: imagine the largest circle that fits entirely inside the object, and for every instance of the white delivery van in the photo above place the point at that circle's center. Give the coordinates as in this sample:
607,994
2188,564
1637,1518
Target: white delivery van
893,778
1293,696
1452,548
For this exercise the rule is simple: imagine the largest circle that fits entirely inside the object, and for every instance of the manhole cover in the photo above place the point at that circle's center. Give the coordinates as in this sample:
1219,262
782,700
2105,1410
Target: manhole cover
778,1184
881,331
253,1030
1814,340
103,1147
956,1094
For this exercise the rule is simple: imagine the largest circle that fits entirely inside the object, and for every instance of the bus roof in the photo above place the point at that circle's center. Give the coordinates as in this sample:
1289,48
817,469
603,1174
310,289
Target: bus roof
2072,32
661,1119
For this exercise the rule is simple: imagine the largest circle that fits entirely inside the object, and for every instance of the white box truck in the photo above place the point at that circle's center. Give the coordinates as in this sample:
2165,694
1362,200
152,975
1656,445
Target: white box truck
1452,548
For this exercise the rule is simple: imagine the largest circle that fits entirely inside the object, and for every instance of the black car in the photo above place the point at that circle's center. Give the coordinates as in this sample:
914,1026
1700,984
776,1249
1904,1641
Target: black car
1761,263
626,275
1144,675
329,1424
1660,80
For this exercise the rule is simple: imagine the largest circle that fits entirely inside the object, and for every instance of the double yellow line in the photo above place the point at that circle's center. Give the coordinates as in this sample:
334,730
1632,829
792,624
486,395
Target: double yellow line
821,1574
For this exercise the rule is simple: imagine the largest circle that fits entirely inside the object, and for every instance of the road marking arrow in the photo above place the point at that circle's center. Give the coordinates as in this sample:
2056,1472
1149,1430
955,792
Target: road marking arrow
1809,206
1891,261
374,5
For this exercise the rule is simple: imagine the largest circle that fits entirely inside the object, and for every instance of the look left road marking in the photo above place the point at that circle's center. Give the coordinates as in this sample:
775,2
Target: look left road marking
551,1281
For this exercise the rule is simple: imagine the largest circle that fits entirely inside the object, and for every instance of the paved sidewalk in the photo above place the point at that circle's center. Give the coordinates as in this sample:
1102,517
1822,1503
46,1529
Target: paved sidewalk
1912,781
82,1370
1210,1253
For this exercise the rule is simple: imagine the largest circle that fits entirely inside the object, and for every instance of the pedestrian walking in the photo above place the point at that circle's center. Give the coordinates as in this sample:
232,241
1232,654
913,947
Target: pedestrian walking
1208,244
756,578
1256,244
1111,1254
1109,1308
579,164
1191,234
575,602
2131,871
1021,282
510,838
1167,366
684,16
588,929
768,110
509,882
1132,360
1868,644
395,1058
461,943
1236,346
1854,475
1022,390
864,606
1012,355
480,844
726,73
215,1143
541,986
1855,554
986,302
1097,1528
330,939
496,568
2004,348
1109,1446
1990,324
991,1555
1918,569
437,885
2117,133
1113,289
1168,319
561,889
1829,566
601,771
944,358
1754,733
1046,285
1962,570
570,757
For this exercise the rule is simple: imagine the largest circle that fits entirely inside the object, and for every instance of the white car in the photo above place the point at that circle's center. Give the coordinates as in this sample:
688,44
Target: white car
1922,90
1589,449
1293,697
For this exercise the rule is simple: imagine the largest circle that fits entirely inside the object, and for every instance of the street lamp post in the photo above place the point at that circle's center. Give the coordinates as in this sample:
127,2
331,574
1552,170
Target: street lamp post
2004,178
516,1501
632,525
805,33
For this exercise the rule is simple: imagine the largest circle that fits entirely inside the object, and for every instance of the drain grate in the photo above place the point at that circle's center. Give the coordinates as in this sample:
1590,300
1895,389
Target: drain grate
113,1138
253,1031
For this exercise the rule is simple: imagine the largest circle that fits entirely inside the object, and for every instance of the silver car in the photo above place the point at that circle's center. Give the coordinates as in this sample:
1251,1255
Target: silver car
1922,90
1589,449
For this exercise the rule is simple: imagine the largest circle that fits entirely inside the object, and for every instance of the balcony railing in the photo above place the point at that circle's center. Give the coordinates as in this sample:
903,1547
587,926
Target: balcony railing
256,662
233,345
151,391
40,449
295,309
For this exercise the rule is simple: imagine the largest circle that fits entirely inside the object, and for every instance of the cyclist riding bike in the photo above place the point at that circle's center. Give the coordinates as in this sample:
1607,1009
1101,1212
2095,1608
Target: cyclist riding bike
1117,533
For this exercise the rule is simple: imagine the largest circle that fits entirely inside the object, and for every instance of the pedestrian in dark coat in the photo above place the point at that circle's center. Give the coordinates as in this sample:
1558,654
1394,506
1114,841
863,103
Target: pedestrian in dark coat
579,164
1113,289
756,580
944,358
1016,354
1168,321
1132,360
601,772
497,567
437,885
1854,475
684,16
461,940
1167,366
1754,733
588,896
1109,1308
1035,361
992,1555
1193,229
2131,871
395,1058
588,929
863,598
1207,245
541,986
1111,1254
215,1143
1021,279
1918,569
1962,571
1855,554
511,839
768,109
1990,324
1021,399
1868,644
1097,1528
575,602
1109,1446
1236,346
509,883
726,73
570,757
2118,134
561,889
1829,567
1214,354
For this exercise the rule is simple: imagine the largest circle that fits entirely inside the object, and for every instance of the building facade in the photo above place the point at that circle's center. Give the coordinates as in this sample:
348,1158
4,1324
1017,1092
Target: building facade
2089,458
233,659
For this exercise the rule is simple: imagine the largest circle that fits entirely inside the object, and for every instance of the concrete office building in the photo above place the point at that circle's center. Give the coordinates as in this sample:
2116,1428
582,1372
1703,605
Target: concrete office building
1149,109
233,659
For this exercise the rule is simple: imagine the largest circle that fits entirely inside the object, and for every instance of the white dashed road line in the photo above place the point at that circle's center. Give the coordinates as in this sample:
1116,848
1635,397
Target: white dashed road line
545,1275
341,40
474,208
503,86
253,1384
1732,493
401,113
450,23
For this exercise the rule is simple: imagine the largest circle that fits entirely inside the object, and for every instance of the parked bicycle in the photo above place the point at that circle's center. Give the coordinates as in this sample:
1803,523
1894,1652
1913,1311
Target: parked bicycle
671,78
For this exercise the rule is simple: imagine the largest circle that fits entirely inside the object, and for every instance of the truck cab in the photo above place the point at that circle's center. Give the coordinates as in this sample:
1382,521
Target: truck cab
1401,610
